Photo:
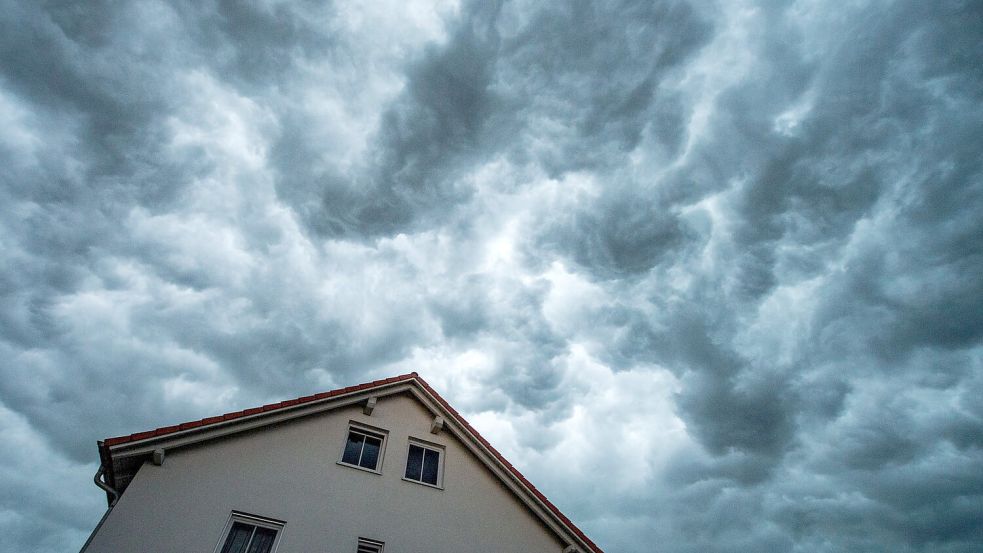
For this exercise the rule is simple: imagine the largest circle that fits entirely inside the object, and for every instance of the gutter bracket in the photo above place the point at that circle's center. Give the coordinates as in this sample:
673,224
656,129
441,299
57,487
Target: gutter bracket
437,425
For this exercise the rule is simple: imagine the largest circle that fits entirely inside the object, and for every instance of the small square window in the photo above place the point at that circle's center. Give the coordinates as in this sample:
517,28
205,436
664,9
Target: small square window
423,464
250,534
363,449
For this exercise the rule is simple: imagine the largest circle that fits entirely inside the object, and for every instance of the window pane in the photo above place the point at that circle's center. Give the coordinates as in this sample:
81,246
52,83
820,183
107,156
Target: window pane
238,538
370,455
353,448
414,462
431,461
262,541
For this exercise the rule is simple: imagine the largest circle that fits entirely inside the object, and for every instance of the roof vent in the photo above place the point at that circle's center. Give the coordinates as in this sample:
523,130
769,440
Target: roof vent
366,545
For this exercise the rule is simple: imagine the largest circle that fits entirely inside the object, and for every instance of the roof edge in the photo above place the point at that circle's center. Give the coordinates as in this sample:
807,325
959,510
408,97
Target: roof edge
270,407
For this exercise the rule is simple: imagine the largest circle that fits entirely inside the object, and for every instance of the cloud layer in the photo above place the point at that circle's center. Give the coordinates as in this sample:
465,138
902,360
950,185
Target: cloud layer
708,273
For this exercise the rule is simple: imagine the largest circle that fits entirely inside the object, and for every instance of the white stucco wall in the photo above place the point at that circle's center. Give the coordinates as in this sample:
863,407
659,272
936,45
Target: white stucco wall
290,473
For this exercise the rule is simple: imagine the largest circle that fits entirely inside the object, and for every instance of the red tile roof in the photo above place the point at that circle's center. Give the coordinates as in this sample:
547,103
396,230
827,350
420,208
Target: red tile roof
164,430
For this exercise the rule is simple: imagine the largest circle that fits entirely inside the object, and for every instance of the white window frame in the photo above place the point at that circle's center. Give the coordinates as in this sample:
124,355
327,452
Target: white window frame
365,430
252,520
441,454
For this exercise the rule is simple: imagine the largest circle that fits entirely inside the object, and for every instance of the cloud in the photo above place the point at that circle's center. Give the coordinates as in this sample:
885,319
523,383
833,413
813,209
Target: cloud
707,273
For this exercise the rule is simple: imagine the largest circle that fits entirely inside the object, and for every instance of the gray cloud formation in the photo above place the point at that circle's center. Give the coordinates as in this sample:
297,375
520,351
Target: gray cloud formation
721,260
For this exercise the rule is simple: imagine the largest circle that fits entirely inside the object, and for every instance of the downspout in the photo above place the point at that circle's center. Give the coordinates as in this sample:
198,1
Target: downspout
104,486
108,489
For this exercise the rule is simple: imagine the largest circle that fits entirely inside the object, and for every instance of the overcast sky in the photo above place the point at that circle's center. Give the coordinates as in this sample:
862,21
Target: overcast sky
708,273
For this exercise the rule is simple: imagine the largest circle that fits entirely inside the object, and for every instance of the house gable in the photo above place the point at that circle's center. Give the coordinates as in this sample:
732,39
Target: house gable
408,393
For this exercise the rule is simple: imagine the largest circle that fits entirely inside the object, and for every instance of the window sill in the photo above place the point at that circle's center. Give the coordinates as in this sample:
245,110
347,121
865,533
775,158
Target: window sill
363,469
423,483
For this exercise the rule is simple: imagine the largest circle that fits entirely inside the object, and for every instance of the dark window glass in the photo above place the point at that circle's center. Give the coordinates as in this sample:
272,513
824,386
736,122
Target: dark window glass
422,464
353,448
262,540
431,460
362,450
246,538
414,462
370,453
238,538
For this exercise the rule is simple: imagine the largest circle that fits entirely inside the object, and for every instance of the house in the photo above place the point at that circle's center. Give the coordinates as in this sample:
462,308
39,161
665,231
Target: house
383,467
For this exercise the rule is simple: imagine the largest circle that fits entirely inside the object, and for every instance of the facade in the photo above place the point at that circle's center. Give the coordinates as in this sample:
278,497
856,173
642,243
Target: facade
383,467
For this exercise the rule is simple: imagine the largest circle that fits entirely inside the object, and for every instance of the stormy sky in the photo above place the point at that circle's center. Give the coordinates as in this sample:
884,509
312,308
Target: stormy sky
709,273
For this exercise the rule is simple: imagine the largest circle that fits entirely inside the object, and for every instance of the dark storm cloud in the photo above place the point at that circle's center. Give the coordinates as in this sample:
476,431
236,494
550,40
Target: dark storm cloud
737,244
424,141
257,44
621,234
553,64
867,179
486,92
508,320
102,98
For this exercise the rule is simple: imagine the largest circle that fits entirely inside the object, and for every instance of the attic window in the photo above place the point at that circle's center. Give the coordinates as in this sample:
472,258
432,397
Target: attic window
364,448
250,534
423,463
366,545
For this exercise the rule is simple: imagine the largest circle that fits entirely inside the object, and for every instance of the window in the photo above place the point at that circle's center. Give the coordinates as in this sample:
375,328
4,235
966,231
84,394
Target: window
423,464
364,448
365,545
250,534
